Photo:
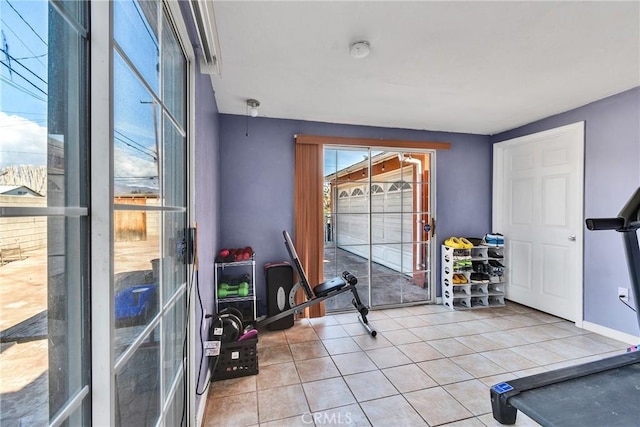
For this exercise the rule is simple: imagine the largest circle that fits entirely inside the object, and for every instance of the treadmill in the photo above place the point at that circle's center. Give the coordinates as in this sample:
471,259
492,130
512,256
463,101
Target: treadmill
601,393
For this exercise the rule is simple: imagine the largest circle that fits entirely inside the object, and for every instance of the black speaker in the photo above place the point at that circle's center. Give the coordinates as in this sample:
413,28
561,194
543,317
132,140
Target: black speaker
279,277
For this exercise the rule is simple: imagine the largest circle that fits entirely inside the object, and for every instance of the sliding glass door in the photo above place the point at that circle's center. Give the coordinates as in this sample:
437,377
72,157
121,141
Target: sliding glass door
377,214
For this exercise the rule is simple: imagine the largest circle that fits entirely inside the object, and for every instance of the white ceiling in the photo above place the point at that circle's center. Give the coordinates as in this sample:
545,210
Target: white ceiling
473,67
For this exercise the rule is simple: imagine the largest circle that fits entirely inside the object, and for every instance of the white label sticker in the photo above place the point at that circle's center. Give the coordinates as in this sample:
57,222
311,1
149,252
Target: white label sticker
217,331
211,348
235,355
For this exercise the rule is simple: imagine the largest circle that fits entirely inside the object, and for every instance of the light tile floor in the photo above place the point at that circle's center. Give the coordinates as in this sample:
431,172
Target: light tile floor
427,366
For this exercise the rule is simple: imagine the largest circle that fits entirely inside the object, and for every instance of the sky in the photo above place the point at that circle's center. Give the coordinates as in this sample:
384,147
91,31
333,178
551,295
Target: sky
23,106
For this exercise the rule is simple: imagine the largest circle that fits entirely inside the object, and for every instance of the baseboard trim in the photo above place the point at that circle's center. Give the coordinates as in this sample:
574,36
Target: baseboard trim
202,404
610,333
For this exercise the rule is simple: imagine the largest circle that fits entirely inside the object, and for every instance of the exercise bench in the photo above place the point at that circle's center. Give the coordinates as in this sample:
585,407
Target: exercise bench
329,289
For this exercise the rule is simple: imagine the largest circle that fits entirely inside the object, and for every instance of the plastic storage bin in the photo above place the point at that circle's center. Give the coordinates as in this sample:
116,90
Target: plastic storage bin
236,359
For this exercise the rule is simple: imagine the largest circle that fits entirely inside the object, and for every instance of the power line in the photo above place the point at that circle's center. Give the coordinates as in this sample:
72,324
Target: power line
25,79
32,57
23,152
153,153
144,23
22,89
23,113
135,148
37,57
22,65
41,122
128,178
25,21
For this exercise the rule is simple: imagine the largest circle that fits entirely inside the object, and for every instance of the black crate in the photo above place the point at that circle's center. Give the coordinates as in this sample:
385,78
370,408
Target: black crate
236,359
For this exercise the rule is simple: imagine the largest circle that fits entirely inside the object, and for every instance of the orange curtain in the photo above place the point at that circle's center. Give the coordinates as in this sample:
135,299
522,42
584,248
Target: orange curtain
309,237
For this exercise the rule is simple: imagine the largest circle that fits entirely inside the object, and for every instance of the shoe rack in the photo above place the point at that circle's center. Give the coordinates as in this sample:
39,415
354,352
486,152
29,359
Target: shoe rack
471,278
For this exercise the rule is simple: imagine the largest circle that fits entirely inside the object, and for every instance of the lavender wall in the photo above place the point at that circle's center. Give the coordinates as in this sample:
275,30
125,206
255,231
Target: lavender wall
207,179
256,182
612,173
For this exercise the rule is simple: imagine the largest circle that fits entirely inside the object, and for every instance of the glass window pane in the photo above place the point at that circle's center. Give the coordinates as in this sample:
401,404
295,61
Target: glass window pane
24,101
138,385
390,289
176,416
137,268
44,317
336,260
67,148
174,161
42,109
174,342
24,324
135,138
136,31
173,266
68,308
174,74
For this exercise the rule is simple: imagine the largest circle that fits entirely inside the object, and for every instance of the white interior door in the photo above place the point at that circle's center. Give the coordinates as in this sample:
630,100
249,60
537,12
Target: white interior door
538,206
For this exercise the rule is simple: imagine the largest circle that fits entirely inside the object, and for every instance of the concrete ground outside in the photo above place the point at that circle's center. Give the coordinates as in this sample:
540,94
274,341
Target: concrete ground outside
24,383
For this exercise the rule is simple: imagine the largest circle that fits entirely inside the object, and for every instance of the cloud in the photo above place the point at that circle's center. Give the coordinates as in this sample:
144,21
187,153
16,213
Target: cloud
134,173
22,142
130,166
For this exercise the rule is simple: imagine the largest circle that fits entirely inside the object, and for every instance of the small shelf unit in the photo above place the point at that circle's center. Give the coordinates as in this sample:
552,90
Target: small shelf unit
485,283
234,273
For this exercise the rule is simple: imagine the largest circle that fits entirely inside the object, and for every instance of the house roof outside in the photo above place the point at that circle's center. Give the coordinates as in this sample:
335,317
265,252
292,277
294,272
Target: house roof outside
18,190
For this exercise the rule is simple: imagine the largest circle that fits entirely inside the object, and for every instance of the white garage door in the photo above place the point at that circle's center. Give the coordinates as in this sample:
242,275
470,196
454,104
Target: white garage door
391,220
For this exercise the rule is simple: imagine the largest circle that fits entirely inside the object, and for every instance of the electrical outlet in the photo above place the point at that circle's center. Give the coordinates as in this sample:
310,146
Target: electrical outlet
623,294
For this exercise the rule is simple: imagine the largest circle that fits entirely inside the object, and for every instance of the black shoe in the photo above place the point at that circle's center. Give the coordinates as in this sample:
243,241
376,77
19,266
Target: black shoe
476,241
479,278
497,269
495,264
494,254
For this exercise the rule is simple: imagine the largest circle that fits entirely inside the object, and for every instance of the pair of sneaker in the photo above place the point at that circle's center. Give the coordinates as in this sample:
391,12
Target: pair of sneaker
494,239
460,279
458,243
492,253
462,264
497,269
480,278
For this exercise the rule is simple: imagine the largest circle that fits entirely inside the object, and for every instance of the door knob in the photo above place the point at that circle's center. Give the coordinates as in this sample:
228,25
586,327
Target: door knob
572,238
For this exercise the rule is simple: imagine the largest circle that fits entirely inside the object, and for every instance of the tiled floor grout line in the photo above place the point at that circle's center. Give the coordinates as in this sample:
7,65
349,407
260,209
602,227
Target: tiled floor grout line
538,320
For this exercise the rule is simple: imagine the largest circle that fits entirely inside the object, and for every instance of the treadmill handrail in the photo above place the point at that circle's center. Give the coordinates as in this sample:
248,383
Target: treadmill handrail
627,223
630,213
627,220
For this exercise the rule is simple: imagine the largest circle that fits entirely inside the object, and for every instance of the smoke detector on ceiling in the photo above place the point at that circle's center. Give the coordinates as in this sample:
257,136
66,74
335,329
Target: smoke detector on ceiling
360,49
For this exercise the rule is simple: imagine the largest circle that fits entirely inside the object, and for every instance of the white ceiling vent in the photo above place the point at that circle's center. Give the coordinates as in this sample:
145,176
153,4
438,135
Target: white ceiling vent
205,21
